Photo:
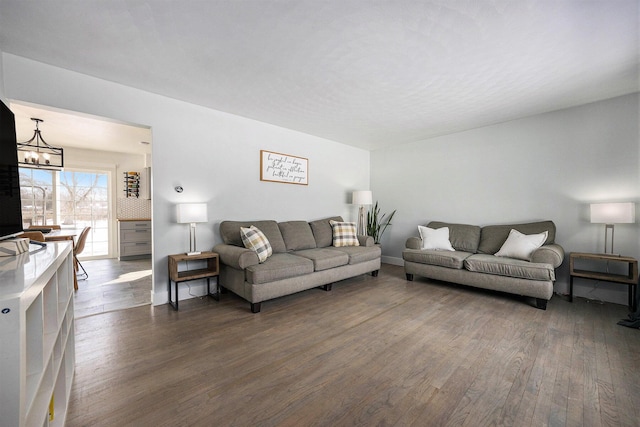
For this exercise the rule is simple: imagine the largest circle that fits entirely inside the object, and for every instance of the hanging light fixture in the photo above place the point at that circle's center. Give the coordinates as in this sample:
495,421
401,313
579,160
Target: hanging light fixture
36,153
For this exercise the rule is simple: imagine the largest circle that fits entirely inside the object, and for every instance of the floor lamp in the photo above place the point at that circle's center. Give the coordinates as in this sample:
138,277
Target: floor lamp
191,213
362,198
610,214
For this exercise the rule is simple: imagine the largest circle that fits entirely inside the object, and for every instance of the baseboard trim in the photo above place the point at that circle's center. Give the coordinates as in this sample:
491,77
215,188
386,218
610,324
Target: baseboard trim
392,260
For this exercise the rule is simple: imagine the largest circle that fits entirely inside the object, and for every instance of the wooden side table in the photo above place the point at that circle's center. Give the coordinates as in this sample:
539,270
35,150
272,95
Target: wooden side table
211,270
630,279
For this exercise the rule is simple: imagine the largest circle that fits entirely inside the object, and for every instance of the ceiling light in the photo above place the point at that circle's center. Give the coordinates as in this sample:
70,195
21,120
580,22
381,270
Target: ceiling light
36,153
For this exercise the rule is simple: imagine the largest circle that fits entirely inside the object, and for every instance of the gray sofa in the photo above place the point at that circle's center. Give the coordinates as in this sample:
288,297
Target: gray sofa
303,258
473,262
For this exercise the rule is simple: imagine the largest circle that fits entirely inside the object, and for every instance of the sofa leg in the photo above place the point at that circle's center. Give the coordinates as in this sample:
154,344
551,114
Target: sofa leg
541,303
374,273
410,277
255,307
326,287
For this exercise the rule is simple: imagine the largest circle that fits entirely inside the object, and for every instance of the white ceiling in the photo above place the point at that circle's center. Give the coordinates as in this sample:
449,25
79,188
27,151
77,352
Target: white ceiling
368,73
69,129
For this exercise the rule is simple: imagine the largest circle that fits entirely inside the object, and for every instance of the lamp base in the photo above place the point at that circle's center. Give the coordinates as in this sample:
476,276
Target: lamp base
362,223
194,253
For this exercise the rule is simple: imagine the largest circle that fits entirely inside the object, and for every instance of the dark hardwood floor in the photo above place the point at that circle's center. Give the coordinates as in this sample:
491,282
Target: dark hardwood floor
373,351
113,285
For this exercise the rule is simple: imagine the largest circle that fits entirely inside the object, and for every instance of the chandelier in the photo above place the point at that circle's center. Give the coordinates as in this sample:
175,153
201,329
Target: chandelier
36,153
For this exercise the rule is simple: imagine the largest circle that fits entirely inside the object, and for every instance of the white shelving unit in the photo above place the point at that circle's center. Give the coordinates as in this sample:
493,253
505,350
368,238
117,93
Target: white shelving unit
37,356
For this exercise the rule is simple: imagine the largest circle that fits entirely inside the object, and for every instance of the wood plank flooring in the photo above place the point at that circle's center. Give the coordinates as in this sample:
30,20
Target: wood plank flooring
113,285
373,351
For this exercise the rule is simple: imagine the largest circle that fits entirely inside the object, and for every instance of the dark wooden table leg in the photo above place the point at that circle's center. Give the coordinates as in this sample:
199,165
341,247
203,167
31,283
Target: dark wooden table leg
571,289
174,305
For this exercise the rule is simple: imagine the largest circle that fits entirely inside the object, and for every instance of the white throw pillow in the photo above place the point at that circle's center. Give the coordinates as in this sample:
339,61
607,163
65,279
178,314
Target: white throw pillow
521,246
435,238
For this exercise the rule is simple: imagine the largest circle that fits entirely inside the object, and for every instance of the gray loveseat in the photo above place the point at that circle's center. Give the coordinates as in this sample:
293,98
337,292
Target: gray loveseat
303,258
473,262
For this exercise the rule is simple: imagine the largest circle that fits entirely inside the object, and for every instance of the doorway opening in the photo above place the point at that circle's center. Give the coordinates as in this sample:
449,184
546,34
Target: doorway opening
87,193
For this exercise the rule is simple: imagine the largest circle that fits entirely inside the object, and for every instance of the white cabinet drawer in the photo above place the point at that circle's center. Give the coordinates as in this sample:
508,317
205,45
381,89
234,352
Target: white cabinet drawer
128,236
135,239
135,225
130,249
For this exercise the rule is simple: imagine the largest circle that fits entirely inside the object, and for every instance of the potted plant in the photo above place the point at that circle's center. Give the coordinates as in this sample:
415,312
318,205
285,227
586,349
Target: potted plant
377,224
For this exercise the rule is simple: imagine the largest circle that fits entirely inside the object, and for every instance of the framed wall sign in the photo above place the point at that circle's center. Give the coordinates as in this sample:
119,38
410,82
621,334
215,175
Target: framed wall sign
278,167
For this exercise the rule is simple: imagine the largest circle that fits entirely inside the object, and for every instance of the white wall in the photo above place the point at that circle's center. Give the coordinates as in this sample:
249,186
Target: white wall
213,155
549,166
3,97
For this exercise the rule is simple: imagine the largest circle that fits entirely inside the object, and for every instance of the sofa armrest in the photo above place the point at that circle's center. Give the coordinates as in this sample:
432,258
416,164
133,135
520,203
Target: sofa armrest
365,240
550,254
235,256
413,243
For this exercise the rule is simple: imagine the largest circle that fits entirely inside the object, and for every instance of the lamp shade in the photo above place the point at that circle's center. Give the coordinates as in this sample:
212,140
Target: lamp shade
613,213
362,197
192,212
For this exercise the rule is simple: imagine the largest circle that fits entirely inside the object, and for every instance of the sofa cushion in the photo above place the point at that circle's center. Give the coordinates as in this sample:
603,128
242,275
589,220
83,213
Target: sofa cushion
277,267
358,254
521,246
324,258
230,233
255,240
435,239
344,234
441,258
297,235
323,232
463,237
492,237
490,264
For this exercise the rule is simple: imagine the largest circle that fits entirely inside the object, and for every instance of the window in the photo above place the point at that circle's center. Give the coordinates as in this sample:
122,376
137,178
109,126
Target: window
36,193
71,198
83,201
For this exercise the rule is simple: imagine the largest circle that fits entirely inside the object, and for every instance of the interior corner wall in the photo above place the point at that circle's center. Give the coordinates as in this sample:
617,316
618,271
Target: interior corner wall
3,97
214,156
548,166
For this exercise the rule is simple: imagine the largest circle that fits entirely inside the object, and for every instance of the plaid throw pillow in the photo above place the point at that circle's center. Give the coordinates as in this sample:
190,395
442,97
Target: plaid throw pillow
255,240
344,234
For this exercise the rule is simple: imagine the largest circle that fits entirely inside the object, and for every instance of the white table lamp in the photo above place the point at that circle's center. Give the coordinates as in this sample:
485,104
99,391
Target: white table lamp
610,214
192,213
362,198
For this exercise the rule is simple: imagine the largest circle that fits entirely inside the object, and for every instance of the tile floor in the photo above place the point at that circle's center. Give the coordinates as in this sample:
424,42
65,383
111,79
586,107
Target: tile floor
113,285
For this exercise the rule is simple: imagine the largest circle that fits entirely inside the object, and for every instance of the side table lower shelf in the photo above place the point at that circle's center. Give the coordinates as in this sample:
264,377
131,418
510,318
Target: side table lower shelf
211,270
630,279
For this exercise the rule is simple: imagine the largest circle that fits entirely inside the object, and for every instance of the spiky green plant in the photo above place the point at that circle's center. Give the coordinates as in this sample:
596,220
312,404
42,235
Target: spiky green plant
377,224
